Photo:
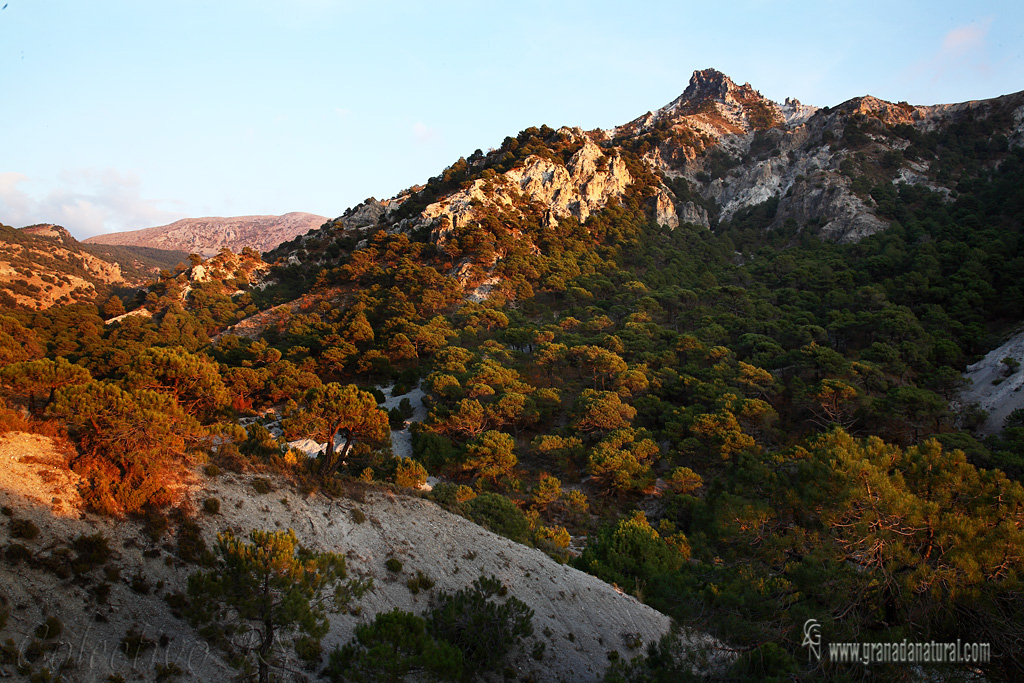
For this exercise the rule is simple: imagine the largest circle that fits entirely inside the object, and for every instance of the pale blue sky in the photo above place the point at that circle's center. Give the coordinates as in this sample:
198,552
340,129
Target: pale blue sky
118,115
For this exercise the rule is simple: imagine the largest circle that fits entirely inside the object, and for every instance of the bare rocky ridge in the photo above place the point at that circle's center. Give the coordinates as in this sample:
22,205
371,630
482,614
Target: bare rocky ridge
577,188
732,146
207,236
579,618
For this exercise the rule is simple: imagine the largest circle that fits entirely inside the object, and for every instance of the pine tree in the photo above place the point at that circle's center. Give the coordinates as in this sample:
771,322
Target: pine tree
262,593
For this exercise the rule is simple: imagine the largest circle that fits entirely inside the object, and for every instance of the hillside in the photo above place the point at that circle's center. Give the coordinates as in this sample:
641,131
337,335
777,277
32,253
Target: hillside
711,158
43,265
713,357
579,619
207,236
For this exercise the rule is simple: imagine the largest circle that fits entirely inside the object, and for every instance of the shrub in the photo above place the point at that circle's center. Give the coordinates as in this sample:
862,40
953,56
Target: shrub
393,564
392,646
191,544
500,515
156,525
433,450
452,496
49,629
211,506
262,486
165,672
556,536
101,592
632,552
358,516
419,582
410,474
140,584
477,623
135,643
23,528
90,552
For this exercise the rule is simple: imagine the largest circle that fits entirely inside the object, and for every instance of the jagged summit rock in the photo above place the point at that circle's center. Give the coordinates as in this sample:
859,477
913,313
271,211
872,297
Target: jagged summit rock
711,84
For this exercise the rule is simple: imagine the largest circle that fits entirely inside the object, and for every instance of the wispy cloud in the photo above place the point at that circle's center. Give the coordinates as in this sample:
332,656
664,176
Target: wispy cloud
85,201
424,134
964,51
963,39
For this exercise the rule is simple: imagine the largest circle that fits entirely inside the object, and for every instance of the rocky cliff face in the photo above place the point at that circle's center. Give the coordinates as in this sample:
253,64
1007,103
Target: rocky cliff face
207,236
577,188
739,150
714,152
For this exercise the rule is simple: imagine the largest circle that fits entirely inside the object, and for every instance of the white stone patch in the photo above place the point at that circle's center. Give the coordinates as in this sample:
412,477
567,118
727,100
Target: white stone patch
401,439
138,311
310,447
998,394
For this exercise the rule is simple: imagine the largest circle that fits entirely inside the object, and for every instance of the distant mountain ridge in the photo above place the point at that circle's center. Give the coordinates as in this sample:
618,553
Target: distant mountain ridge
207,236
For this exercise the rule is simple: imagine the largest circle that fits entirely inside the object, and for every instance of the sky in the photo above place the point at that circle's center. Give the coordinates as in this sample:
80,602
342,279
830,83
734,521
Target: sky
125,115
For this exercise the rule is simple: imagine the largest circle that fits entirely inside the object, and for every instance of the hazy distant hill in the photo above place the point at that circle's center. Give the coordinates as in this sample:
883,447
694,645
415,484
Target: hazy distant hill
207,236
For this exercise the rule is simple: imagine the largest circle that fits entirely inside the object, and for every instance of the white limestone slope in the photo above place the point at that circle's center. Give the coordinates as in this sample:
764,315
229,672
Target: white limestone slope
996,392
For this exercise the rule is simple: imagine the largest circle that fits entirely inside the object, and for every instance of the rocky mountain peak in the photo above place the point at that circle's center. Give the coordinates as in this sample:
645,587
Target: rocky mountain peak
711,84
714,104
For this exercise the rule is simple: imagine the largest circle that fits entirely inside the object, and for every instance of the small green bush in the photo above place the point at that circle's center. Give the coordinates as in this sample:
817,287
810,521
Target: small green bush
358,516
191,544
156,525
101,592
419,582
165,672
393,565
405,405
23,528
410,474
483,627
433,450
211,506
49,629
262,486
90,552
140,584
134,643
500,515
16,553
